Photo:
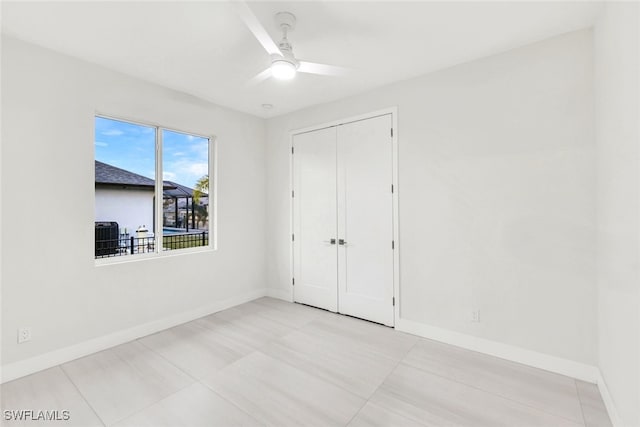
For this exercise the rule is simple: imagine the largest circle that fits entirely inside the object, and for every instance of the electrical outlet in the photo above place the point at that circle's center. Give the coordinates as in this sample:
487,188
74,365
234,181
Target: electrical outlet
24,335
475,316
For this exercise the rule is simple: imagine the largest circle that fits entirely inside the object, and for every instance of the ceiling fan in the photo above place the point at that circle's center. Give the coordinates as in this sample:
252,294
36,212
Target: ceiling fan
284,64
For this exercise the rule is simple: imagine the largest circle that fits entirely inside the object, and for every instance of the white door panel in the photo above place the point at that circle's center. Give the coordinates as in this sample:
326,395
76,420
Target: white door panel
365,219
314,213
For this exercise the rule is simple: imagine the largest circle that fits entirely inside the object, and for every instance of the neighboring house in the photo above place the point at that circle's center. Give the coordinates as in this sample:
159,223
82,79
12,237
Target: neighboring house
128,199
124,197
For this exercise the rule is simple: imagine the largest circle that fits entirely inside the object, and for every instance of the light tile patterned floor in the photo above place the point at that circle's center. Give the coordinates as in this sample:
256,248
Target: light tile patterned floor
269,362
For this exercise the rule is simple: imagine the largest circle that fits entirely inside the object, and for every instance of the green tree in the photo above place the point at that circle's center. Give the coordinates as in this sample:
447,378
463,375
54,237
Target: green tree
202,188
201,215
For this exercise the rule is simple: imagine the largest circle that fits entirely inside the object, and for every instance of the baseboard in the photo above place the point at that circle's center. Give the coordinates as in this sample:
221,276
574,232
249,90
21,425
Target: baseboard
547,362
280,294
608,401
38,363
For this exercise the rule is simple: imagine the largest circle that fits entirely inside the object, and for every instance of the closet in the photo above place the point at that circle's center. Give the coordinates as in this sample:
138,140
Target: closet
343,218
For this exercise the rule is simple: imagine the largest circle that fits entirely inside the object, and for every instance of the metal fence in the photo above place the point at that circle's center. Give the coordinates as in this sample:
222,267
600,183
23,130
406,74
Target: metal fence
185,240
130,245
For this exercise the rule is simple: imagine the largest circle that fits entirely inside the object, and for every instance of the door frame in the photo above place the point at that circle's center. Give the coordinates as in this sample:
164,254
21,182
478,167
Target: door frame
396,191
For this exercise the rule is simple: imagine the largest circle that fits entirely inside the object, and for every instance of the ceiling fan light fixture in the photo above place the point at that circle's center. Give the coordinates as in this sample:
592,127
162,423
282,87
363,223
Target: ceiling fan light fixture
282,69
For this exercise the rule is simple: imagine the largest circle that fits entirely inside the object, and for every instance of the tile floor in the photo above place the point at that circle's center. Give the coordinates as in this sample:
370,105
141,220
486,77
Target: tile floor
269,362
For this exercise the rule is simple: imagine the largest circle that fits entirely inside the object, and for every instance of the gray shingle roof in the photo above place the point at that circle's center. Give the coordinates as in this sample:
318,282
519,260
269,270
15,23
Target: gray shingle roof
111,175
178,190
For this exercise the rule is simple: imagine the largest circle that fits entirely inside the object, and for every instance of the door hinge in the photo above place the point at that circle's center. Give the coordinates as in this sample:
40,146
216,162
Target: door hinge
393,244
394,301
293,237
291,150
293,193
293,281
392,132
392,188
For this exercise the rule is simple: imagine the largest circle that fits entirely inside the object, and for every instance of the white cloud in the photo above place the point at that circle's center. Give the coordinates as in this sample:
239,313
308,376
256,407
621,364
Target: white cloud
168,176
101,144
199,168
185,172
113,132
201,148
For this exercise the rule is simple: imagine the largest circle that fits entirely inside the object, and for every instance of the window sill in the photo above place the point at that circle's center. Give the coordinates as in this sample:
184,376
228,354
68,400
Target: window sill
124,259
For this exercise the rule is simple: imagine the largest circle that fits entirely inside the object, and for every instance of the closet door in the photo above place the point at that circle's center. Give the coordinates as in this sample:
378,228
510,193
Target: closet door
315,219
365,219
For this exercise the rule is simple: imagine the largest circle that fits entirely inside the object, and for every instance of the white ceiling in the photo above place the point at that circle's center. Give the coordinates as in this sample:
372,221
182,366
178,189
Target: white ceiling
204,49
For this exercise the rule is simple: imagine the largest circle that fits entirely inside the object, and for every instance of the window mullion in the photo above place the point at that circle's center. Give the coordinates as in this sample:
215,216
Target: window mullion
159,190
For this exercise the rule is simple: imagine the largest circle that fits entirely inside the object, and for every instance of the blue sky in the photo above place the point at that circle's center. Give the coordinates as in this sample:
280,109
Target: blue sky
132,147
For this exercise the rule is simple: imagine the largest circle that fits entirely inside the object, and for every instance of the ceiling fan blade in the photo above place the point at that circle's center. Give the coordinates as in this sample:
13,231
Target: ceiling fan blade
259,78
323,69
251,21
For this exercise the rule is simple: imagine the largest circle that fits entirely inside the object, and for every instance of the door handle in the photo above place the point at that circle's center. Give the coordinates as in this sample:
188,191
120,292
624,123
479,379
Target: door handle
332,241
342,242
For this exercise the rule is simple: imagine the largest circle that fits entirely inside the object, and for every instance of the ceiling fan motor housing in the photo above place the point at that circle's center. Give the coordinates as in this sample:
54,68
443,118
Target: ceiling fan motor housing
286,57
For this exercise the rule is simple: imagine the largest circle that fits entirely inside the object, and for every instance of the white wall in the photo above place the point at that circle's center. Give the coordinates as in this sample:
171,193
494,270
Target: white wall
497,199
130,208
48,106
618,212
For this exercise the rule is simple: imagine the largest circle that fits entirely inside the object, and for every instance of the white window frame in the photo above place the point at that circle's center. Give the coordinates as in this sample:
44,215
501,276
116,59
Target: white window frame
212,206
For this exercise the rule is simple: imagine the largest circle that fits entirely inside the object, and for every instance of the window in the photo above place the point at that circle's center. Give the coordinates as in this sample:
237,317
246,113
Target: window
136,212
